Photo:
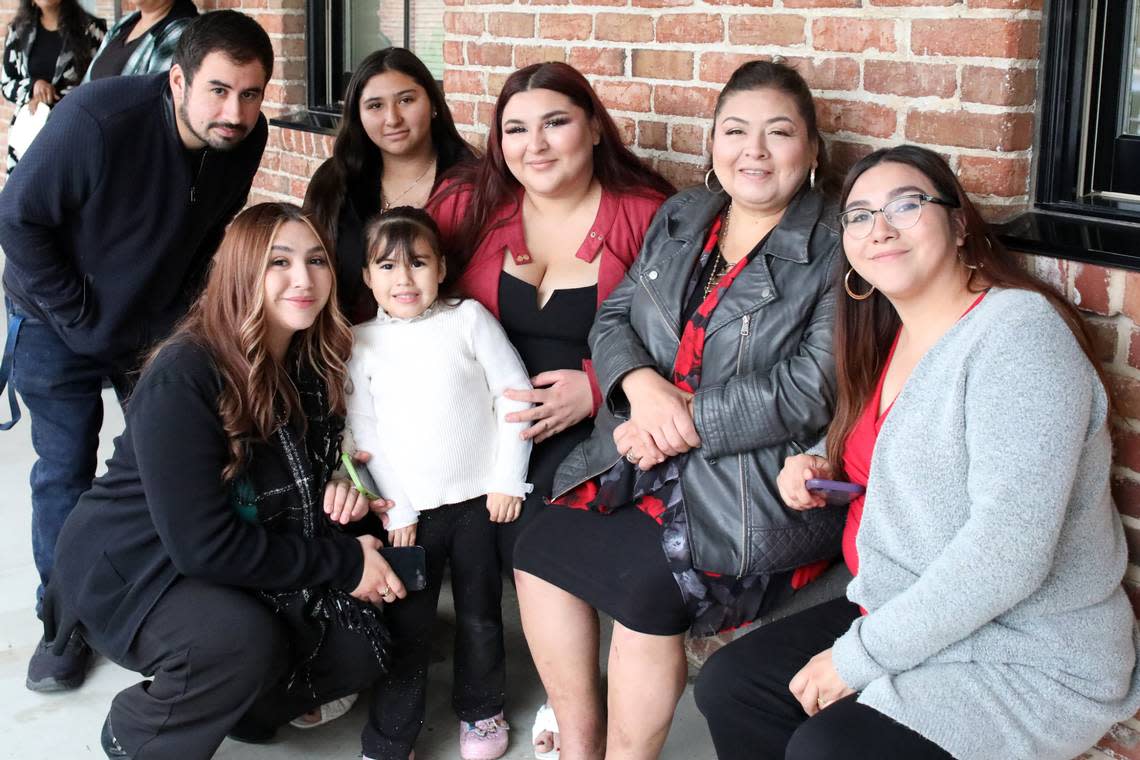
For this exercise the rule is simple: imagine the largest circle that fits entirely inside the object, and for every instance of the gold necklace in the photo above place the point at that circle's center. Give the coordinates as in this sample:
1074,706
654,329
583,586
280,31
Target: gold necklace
386,204
720,266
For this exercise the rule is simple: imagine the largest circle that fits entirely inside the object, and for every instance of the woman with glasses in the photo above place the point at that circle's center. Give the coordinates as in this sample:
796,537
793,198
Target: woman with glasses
986,617
713,356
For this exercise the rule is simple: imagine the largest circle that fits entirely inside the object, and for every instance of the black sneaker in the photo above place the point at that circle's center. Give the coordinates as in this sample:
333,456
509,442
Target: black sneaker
111,745
48,671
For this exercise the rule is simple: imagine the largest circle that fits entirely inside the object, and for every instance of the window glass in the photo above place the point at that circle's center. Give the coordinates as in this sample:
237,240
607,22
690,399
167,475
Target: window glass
1130,83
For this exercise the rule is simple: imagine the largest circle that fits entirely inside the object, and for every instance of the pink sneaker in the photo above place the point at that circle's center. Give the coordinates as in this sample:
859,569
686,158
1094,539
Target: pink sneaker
484,739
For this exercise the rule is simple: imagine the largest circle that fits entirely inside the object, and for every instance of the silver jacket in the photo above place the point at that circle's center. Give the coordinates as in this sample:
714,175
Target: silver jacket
767,383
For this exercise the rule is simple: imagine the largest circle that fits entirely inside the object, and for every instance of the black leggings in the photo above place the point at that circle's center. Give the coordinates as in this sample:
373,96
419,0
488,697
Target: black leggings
743,693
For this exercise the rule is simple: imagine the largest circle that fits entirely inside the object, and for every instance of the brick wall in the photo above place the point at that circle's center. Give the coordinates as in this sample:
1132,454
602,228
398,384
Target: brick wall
955,75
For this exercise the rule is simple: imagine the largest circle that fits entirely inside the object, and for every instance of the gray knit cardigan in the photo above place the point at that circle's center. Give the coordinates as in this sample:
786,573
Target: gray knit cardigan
990,554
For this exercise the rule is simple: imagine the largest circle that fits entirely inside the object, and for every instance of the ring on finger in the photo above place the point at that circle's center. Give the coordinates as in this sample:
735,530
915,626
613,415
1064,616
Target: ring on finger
631,457
822,703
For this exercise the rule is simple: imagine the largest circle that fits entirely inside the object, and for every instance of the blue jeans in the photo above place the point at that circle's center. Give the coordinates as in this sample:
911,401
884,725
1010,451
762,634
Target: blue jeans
62,391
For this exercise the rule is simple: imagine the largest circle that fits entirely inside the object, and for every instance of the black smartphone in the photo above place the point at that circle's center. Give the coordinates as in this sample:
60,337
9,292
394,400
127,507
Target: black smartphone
409,564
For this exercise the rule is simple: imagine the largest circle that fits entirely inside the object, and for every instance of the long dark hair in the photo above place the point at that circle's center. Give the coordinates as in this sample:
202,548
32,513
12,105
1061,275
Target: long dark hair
73,21
490,181
228,320
356,161
770,75
864,330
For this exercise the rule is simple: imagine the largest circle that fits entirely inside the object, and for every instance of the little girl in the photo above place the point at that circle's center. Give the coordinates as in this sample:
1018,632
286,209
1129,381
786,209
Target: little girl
428,375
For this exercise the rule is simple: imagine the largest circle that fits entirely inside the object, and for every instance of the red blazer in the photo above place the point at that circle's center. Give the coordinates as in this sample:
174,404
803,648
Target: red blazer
616,236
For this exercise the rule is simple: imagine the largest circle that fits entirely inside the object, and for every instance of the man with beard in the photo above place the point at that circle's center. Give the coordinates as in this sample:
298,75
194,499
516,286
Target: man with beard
108,225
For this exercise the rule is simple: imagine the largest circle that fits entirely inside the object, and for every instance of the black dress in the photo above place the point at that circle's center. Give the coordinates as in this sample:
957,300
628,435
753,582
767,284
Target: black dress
550,338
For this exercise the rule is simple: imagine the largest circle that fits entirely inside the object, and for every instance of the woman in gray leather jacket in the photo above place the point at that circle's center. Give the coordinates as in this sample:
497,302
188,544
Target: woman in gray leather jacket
714,356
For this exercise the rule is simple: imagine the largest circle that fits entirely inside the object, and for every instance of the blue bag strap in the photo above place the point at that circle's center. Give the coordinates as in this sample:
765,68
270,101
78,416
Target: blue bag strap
14,321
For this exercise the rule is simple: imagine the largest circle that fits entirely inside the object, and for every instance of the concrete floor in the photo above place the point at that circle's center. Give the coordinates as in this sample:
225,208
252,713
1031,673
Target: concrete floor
66,726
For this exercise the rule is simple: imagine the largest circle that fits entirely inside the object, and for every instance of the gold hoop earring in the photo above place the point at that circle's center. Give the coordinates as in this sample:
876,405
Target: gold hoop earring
852,293
811,178
708,176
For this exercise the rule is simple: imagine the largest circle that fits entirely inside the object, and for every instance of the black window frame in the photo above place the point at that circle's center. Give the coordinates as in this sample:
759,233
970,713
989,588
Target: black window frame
321,47
1077,145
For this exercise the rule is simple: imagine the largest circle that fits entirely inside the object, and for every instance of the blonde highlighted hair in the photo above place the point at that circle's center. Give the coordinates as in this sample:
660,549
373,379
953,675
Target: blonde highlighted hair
228,320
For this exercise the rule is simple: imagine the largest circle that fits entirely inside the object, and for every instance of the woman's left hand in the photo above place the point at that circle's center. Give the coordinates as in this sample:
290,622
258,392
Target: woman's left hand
818,684
344,504
561,398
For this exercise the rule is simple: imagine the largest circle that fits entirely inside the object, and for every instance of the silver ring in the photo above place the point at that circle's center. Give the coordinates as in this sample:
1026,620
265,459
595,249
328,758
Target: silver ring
385,591
631,457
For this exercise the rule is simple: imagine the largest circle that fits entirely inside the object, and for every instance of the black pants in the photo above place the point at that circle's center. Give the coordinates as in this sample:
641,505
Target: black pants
218,657
743,693
464,535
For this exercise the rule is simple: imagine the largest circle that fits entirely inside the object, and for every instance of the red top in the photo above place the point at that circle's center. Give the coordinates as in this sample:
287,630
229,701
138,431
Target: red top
861,445
616,236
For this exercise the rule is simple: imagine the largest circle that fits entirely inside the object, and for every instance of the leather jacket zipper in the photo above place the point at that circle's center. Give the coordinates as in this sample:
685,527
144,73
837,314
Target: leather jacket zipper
744,333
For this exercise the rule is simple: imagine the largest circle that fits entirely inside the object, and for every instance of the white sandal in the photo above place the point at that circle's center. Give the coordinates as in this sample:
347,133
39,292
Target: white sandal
329,711
544,721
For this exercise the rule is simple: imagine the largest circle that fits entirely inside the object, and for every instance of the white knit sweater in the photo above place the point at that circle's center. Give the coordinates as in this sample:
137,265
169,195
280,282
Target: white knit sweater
426,400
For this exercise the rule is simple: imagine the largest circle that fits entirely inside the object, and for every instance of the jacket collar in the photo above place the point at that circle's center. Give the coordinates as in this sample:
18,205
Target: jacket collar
514,236
789,240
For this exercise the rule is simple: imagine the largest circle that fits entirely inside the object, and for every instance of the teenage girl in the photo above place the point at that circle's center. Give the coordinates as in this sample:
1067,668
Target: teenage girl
427,401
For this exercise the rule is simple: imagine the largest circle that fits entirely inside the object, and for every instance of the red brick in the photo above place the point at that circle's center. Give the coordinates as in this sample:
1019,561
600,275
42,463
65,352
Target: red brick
281,23
843,155
910,79
855,116
688,138
661,3
718,67
1033,5
1125,396
595,2
485,112
603,61
827,73
765,29
271,183
749,3
853,35
652,135
624,96
823,3
489,54
463,22
510,24
923,3
525,55
453,53
289,94
1134,350
690,27
495,83
565,26
627,127
1132,295
1126,447
681,174
454,2
994,176
1003,131
462,111
291,46
994,38
623,27
663,64
1091,285
999,86
684,101
458,80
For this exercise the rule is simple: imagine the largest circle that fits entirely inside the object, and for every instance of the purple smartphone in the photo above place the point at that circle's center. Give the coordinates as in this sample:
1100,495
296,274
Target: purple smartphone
838,493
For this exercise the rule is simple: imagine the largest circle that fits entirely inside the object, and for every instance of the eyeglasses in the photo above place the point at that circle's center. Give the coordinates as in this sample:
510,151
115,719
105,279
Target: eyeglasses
900,213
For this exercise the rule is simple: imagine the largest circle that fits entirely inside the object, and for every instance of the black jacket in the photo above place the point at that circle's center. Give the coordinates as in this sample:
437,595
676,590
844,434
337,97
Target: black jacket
162,512
108,222
767,379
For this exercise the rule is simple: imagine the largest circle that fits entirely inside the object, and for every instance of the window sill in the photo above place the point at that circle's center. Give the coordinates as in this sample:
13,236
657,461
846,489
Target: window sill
317,122
1066,236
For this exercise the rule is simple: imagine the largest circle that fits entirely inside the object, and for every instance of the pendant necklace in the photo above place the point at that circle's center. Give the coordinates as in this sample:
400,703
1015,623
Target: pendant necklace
386,204
720,266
